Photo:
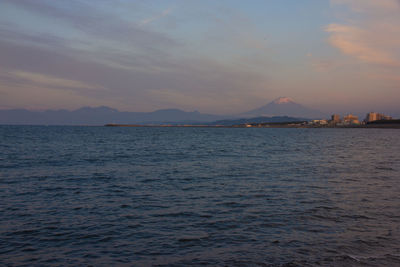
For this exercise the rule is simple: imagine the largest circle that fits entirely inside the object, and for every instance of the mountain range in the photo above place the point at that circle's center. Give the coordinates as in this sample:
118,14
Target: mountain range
103,115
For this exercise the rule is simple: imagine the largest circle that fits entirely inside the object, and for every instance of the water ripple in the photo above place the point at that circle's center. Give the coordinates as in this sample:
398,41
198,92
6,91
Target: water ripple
80,196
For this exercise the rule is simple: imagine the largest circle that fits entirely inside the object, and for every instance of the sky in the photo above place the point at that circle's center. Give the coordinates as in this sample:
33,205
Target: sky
221,57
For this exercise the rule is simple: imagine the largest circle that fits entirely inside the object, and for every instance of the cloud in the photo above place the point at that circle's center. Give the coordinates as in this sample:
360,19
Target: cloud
33,96
370,6
51,81
157,17
91,48
361,44
99,24
131,87
370,33
323,65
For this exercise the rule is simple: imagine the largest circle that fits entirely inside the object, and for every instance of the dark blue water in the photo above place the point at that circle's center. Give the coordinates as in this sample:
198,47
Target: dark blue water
196,196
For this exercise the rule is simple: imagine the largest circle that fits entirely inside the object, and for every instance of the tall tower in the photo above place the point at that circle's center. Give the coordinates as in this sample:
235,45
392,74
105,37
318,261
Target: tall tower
335,118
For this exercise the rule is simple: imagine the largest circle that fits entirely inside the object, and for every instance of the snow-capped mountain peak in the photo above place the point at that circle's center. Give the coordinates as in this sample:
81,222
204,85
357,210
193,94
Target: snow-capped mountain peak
284,106
283,100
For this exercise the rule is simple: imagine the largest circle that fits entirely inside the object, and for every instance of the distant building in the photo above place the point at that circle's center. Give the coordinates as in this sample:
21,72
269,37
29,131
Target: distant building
319,122
350,119
373,116
335,119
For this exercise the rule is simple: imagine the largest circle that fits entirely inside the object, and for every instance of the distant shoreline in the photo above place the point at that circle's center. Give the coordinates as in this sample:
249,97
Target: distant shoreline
268,125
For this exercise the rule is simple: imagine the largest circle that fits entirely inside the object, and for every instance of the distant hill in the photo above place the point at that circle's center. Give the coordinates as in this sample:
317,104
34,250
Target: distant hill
103,115
275,119
281,110
284,106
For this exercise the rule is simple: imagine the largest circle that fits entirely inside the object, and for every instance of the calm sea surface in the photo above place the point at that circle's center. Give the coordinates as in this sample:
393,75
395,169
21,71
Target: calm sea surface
195,196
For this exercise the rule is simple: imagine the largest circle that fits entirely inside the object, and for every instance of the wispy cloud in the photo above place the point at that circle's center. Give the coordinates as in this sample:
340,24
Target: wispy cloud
164,13
361,44
130,60
373,36
52,81
99,25
40,91
370,6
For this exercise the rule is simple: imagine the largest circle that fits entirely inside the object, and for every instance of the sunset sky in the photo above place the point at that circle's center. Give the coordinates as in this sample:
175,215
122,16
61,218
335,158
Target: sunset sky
212,56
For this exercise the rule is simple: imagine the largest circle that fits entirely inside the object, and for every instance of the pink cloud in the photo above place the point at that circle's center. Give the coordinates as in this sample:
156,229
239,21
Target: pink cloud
370,6
373,36
361,44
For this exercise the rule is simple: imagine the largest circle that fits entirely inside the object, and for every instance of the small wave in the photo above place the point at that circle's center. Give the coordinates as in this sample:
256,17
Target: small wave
193,237
385,168
176,214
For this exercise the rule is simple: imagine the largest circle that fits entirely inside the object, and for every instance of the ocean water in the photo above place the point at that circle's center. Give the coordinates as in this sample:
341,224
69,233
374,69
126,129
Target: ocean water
80,196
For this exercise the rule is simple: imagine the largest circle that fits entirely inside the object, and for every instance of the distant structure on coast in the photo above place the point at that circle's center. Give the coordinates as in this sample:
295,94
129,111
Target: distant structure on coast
335,119
373,120
318,122
350,119
373,116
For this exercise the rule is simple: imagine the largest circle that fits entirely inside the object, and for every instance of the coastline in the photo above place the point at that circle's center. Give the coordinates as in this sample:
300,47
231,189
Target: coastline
266,125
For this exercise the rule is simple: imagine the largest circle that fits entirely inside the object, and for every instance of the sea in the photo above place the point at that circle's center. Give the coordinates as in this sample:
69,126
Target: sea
159,196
